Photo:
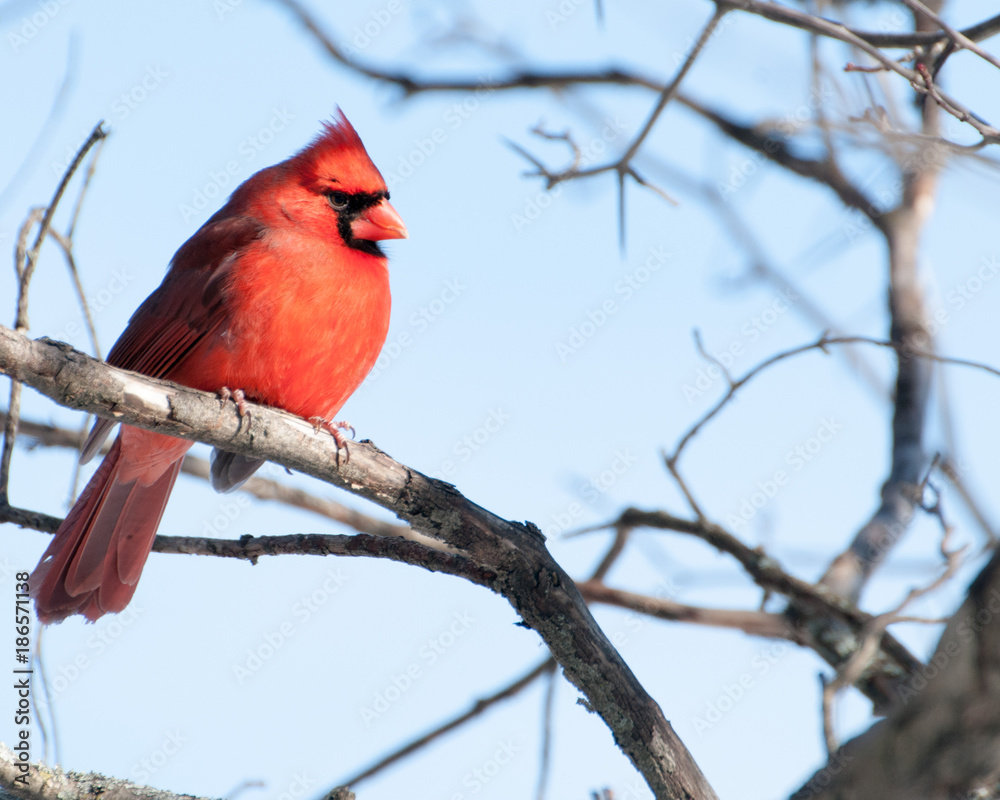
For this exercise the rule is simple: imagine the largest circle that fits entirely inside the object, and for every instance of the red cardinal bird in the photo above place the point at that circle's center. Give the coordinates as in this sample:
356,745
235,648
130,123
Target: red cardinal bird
283,297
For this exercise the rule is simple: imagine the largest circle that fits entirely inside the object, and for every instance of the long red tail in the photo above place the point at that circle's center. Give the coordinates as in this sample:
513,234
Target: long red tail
94,562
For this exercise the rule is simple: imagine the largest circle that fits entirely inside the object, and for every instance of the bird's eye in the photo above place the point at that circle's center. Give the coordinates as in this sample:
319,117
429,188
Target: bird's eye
338,200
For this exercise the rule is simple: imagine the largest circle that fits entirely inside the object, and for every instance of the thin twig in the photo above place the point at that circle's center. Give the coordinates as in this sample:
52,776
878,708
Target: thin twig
24,267
59,105
820,344
38,663
873,631
616,549
753,623
956,36
829,734
26,271
547,666
622,166
478,708
545,759
785,15
811,602
66,244
978,32
953,473
670,90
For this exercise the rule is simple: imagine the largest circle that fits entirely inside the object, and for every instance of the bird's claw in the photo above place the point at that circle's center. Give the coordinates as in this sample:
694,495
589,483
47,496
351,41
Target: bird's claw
334,429
239,398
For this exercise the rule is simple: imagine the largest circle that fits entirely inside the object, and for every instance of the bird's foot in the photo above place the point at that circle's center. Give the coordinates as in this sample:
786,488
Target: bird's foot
239,398
334,429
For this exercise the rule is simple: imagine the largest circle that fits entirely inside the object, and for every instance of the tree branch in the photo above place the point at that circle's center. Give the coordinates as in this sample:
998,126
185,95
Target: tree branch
753,623
908,348
942,739
52,783
908,332
411,85
509,557
25,261
815,607
261,488
478,708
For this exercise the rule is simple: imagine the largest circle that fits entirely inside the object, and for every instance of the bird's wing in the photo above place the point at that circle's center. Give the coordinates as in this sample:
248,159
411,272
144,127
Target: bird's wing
187,307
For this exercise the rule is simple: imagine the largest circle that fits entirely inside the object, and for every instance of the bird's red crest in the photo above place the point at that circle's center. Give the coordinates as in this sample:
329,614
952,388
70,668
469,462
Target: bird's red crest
337,154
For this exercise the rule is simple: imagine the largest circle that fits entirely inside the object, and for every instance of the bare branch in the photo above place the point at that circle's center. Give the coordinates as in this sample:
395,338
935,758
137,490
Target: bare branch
670,90
261,488
908,331
775,149
509,557
870,640
941,739
25,261
820,344
617,548
799,19
561,80
52,783
545,758
547,667
26,270
754,623
622,166
959,38
814,606
977,33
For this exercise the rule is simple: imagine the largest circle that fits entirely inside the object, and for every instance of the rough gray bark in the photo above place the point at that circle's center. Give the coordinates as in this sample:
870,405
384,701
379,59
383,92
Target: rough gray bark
509,557
817,616
52,783
942,739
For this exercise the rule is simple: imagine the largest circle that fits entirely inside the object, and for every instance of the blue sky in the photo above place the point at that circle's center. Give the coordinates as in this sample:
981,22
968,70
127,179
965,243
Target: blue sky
530,361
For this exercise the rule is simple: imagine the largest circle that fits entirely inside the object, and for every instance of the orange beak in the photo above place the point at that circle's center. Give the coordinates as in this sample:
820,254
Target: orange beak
379,222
